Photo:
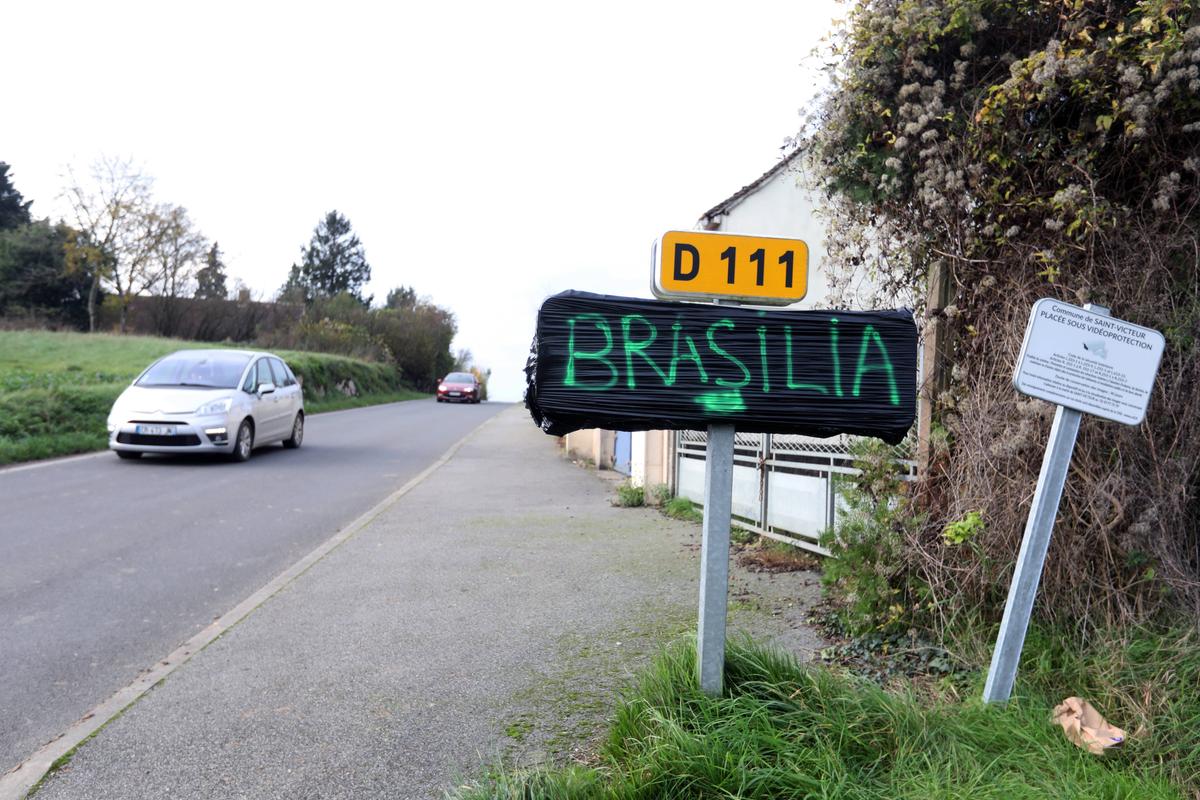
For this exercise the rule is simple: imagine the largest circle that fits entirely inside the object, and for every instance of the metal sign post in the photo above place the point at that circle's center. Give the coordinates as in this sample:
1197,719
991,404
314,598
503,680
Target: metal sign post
1082,360
630,364
714,559
1032,558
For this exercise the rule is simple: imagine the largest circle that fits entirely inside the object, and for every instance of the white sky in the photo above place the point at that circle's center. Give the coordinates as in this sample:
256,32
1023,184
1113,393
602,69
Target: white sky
488,154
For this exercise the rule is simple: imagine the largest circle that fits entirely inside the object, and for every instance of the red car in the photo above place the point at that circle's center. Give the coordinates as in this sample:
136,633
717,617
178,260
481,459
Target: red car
458,387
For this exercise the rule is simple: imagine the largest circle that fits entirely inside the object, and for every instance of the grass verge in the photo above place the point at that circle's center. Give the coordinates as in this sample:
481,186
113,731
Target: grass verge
56,388
786,730
361,401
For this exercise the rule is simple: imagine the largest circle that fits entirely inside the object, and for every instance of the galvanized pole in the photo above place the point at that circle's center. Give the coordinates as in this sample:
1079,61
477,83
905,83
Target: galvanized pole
714,558
1032,558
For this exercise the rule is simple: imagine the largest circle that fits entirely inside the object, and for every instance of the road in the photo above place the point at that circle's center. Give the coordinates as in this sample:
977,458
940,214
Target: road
108,565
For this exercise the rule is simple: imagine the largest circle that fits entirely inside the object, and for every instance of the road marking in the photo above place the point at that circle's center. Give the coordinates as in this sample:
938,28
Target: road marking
15,783
51,462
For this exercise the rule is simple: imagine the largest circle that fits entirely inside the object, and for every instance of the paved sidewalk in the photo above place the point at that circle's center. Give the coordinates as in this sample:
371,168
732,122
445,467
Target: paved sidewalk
489,615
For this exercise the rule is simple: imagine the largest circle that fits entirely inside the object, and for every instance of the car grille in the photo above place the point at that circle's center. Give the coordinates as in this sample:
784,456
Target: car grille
186,440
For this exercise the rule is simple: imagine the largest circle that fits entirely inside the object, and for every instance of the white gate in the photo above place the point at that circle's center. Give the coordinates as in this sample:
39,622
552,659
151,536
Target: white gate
784,485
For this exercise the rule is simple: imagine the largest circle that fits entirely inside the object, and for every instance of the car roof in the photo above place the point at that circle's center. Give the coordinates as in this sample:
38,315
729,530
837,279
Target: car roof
224,351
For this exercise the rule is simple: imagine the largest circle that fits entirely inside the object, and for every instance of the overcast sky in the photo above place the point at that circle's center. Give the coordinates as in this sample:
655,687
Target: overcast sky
487,154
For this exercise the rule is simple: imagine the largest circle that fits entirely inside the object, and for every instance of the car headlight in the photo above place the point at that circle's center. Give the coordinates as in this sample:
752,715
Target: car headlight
442,388
215,407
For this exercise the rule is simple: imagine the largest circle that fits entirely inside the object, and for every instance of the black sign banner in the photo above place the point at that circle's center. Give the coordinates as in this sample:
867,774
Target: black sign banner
627,364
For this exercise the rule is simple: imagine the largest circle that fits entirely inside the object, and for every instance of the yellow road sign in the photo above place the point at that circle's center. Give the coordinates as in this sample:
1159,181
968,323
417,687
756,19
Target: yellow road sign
693,265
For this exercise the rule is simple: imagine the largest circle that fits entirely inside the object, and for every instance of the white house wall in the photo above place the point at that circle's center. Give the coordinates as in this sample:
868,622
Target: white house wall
781,208
637,459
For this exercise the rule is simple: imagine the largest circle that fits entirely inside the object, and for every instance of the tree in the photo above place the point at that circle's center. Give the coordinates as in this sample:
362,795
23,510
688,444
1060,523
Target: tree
988,154
419,339
210,279
33,274
481,375
463,360
333,262
177,249
114,214
14,209
400,298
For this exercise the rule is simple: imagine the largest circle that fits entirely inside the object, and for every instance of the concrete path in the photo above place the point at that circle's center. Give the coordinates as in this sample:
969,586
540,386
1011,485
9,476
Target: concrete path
488,616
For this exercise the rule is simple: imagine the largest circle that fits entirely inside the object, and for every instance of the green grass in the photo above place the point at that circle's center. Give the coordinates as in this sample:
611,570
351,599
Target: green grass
518,729
783,730
630,496
361,401
56,388
682,508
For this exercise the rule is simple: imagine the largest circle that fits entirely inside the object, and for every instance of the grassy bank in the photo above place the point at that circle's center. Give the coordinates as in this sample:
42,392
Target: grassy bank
56,388
785,730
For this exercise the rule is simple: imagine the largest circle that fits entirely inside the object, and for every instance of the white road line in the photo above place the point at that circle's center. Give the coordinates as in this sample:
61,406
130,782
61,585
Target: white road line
15,783
51,462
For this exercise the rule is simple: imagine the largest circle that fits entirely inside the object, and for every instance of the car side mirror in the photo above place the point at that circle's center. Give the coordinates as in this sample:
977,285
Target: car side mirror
265,388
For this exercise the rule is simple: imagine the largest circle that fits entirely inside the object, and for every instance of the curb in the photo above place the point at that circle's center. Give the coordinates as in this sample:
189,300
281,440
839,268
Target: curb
17,782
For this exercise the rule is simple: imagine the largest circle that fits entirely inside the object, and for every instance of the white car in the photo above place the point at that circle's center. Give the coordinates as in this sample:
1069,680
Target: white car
208,401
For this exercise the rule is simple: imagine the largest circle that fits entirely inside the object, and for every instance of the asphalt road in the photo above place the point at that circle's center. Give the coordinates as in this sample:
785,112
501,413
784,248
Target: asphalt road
107,565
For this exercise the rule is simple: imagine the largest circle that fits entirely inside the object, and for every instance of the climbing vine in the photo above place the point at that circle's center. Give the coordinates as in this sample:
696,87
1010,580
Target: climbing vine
1030,148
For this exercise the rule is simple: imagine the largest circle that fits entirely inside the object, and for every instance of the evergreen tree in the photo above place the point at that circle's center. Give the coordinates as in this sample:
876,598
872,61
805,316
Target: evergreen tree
210,279
332,263
34,277
14,209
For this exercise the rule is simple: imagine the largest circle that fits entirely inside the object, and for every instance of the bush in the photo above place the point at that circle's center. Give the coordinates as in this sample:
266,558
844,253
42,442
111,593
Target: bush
630,496
869,578
325,375
330,336
985,155
659,495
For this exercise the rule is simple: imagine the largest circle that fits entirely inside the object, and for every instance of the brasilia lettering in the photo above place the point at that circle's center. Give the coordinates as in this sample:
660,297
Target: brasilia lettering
631,364
637,333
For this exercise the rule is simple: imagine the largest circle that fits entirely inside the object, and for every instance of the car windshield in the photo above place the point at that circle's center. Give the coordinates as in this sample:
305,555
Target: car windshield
459,377
200,369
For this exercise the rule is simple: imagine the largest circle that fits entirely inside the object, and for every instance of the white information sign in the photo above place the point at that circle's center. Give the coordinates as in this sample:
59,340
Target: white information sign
1089,362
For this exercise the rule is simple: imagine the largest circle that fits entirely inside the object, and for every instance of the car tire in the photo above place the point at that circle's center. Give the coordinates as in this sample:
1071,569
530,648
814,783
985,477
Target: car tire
243,445
128,455
297,437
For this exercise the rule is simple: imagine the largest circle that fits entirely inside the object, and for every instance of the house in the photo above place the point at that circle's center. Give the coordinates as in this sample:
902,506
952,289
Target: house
777,203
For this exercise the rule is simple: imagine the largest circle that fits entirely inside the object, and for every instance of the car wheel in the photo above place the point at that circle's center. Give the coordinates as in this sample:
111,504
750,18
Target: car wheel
297,433
128,455
243,445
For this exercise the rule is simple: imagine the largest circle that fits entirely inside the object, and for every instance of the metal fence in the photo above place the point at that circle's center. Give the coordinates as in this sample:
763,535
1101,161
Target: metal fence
784,485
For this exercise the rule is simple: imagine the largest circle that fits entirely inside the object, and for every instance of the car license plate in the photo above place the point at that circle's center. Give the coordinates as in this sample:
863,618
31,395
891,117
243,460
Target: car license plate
456,394
155,430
